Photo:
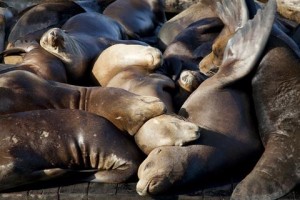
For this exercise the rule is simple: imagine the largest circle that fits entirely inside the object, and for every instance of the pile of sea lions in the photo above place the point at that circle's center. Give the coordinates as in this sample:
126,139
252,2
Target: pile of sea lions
127,94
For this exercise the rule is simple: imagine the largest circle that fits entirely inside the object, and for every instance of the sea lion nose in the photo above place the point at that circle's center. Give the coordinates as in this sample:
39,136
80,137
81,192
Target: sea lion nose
141,188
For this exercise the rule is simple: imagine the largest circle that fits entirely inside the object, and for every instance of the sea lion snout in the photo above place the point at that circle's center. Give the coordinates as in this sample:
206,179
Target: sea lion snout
207,67
53,41
154,57
55,37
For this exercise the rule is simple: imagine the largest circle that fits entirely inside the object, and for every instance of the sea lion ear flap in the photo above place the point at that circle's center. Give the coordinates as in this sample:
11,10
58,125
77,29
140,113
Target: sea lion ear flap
246,46
233,13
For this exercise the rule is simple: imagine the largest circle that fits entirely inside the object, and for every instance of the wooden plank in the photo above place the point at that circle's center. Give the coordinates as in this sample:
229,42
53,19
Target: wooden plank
14,196
43,194
77,191
101,191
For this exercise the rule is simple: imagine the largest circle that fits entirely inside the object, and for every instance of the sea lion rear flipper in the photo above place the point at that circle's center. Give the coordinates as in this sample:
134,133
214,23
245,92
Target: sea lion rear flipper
246,46
236,19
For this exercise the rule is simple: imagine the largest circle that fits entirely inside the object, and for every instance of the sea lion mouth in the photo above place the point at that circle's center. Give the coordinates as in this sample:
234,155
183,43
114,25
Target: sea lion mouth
153,186
142,190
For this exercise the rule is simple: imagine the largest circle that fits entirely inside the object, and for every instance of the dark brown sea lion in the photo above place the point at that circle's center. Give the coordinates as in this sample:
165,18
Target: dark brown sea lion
131,67
38,61
276,91
171,28
45,144
229,139
191,45
140,18
81,39
40,18
183,54
22,91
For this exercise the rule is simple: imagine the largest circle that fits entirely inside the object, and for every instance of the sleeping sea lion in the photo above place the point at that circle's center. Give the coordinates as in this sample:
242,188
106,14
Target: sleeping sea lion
166,130
45,144
229,138
140,18
201,10
80,41
131,67
183,54
38,19
22,91
38,61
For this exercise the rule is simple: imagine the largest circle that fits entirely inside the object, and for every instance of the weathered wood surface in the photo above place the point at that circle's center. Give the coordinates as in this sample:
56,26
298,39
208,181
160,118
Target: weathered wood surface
96,191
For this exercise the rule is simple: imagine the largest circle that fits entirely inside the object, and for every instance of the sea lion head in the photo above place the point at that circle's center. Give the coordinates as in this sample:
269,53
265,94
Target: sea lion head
166,130
159,171
209,65
57,42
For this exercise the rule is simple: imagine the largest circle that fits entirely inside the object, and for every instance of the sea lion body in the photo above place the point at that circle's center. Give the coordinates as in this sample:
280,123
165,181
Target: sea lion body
276,90
23,91
171,28
144,83
60,141
140,18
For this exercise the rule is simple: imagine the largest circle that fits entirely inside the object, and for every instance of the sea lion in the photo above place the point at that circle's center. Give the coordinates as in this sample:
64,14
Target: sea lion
22,91
209,64
166,130
229,139
183,54
191,45
119,57
38,19
38,61
171,28
131,67
63,141
140,18
80,41
187,83
276,90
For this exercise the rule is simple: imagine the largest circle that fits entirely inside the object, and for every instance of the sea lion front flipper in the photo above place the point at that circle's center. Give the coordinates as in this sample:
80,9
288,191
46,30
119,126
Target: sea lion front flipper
245,47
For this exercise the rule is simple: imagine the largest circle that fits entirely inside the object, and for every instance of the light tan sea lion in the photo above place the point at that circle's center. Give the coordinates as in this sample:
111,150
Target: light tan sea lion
131,67
166,130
